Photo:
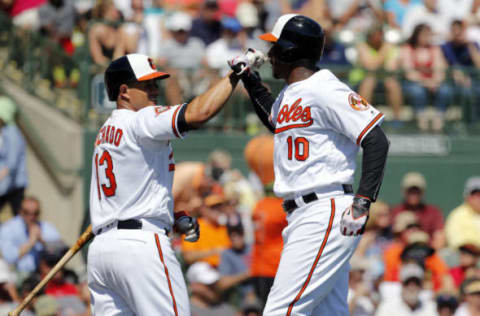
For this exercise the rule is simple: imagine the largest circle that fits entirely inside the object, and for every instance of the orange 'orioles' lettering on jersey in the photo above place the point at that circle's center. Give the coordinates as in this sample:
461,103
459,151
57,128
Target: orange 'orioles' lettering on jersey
295,113
109,134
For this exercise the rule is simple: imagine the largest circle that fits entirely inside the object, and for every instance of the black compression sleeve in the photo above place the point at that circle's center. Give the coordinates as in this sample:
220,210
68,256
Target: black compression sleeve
261,98
375,148
181,122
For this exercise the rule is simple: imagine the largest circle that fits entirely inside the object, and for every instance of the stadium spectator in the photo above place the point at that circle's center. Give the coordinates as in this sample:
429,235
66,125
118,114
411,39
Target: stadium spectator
360,297
24,13
377,238
377,60
334,54
454,10
446,304
204,298
234,266
269,218
469,258
425,67
409,235
429,216
57,19
426,13
230,44
103,34
463,223
395,11
155,34
214,237
23,237
409,303
464,58
182,57
13,165
354,15
131,32
207,26
470,291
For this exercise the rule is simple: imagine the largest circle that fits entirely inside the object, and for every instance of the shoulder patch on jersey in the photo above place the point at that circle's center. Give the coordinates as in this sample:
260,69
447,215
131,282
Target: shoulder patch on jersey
159,109
357,102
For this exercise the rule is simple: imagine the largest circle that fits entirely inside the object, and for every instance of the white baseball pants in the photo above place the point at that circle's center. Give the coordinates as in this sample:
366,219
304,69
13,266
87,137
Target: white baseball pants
312,277
135,272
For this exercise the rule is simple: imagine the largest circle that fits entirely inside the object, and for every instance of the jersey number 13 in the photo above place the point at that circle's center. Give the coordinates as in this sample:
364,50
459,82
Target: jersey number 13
109,190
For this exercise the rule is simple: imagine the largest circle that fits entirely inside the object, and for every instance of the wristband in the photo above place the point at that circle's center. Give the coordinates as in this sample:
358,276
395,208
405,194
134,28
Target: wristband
177,215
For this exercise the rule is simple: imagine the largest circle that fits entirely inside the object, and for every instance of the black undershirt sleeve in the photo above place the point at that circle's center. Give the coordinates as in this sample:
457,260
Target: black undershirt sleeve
375,149
182,125
261,98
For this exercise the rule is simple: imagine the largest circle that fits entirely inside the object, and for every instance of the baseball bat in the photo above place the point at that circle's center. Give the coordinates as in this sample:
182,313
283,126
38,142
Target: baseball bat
82,240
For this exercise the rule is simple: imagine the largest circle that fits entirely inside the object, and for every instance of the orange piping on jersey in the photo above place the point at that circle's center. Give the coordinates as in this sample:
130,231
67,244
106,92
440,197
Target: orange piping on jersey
166,273
174,122
319,254
285,128
359,139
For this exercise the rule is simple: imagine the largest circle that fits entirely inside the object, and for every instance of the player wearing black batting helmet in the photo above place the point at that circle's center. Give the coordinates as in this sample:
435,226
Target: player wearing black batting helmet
295,38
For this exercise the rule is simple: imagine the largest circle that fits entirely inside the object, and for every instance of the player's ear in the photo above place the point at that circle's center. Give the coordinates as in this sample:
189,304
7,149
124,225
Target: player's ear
123,92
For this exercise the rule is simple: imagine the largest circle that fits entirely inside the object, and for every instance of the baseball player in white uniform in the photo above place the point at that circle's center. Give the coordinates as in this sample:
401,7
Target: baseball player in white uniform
319,124
132,269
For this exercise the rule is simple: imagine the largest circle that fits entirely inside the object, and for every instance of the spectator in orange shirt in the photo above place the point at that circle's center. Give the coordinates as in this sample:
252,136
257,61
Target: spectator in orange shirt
412,246
213,238
269,221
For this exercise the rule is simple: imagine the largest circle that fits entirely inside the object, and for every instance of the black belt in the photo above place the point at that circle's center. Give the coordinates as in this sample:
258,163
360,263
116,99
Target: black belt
290,205
126,224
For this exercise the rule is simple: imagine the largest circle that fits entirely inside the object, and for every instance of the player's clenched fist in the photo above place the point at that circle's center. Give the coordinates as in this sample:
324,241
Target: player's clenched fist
355,217
250,59
185,224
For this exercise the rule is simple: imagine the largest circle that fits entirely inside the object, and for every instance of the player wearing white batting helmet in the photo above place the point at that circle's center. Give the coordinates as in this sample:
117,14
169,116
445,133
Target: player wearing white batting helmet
319,125
132,269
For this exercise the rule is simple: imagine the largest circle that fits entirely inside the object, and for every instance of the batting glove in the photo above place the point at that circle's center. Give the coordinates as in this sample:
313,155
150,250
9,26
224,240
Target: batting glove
185,224
355,217
250,59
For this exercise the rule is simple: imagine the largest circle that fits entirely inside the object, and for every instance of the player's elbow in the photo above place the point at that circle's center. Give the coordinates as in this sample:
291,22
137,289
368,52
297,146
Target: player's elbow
196,116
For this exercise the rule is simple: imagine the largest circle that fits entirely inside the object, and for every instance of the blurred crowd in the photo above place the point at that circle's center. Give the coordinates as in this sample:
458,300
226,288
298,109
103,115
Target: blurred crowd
410,260
394,52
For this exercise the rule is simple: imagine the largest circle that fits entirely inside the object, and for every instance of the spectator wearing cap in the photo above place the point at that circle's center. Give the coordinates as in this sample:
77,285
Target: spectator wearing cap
409,235
446,304
23,237
235,263
13,165
228,46
470,291
429,216
469,258
214,237
463,223
360,292
409,302
205,300
207,26
182,57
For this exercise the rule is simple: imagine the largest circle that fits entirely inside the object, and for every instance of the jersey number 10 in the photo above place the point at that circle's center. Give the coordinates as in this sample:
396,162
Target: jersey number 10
301,148
107,190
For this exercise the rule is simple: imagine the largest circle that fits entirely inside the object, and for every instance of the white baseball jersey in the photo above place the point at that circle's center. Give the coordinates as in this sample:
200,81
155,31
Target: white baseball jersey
133,165
319,125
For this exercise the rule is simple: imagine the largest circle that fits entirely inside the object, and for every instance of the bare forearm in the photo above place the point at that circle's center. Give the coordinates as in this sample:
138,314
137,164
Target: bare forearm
196,255
229,281
25,248
208,104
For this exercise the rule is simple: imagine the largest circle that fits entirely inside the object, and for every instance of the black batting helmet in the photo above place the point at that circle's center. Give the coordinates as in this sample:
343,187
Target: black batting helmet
127,69
296,37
